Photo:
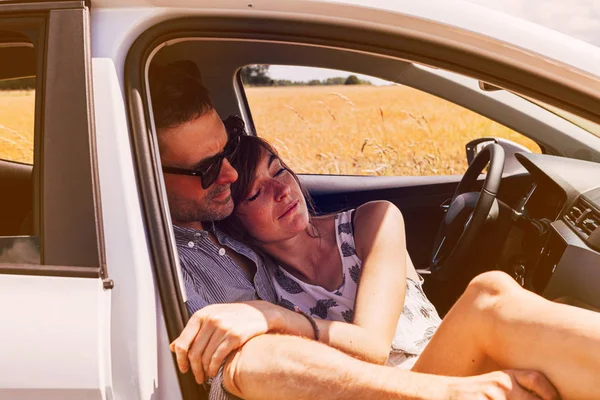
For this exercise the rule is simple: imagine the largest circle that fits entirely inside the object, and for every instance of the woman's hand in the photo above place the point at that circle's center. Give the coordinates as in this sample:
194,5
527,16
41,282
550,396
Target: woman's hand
213,332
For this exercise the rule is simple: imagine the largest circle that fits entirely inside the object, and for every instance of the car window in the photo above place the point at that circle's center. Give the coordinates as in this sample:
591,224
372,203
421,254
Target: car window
336,122
49,208
17,113
19,242
583,123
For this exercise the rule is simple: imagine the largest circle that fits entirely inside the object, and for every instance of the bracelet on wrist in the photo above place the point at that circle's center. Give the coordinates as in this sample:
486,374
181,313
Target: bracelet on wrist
310,319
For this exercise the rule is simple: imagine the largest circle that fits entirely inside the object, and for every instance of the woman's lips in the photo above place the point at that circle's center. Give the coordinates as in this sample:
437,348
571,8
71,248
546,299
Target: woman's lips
290,209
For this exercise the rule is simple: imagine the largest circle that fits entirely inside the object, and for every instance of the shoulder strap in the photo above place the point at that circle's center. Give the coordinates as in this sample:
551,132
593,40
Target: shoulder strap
344,230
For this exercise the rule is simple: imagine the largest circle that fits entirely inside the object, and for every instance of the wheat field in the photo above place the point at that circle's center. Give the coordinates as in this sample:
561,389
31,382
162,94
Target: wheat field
17,110
369,130
355,130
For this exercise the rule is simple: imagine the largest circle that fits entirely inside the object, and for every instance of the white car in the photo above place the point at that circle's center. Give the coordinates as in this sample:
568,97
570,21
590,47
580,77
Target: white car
90,294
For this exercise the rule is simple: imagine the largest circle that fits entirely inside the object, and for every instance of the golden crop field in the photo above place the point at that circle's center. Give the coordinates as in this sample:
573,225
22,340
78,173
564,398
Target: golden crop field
369,130
375,130
17,110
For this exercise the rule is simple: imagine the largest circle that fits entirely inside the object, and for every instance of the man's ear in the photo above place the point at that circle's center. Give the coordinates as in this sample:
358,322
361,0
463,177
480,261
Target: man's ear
162,136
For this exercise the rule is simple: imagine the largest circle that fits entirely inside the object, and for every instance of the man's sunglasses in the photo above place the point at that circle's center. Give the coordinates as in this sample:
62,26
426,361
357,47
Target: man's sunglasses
209,170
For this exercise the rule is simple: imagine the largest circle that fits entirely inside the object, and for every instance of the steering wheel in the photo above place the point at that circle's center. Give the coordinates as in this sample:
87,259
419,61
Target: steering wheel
467,212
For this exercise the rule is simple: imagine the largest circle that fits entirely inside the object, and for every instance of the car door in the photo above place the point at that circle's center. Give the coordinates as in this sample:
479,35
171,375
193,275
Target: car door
54,287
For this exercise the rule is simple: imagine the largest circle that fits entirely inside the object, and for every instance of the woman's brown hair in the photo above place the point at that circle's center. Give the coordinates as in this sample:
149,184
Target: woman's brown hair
245,161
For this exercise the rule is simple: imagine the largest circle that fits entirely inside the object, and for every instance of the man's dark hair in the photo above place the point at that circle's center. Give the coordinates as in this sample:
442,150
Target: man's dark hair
177,93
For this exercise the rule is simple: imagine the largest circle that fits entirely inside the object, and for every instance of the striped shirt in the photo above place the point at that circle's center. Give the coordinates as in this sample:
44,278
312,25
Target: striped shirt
210,276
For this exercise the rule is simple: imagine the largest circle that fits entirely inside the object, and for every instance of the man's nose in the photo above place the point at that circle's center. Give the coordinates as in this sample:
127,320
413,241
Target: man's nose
228,174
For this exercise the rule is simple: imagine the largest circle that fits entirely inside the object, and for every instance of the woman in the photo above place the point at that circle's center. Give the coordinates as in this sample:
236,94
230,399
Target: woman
321,258
494,325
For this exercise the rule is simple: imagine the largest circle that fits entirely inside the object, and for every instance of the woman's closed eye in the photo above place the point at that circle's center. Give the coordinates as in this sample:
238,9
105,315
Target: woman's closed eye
255,196
279,172
251,199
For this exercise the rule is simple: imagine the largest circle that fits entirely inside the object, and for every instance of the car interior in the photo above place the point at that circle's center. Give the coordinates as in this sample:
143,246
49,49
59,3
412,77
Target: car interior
538,224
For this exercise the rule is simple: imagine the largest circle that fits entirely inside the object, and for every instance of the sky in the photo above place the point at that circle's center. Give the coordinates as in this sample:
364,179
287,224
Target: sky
577,18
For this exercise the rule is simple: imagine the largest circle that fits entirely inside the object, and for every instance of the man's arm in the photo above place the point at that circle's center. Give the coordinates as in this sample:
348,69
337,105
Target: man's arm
289,367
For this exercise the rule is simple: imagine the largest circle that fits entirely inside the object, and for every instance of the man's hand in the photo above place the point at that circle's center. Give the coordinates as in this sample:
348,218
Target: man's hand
504,385
213,332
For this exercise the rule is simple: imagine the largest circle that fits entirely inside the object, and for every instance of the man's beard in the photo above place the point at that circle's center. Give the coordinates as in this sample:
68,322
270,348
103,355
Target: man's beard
187,210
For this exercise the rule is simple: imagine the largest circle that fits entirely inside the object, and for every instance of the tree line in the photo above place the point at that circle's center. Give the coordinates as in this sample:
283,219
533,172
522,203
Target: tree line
18,84
258,75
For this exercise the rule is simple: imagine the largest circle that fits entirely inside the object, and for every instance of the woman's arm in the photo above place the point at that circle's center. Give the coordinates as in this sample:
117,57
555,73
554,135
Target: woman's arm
381,245
352,339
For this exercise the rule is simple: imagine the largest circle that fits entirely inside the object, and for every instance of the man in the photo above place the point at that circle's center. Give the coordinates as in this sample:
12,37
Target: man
194,147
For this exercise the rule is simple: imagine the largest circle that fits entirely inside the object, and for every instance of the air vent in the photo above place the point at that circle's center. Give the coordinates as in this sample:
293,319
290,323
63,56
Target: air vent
589,223
575,213
583,218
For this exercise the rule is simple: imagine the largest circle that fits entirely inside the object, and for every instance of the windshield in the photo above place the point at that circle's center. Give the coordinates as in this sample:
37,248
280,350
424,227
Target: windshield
577,18
583,123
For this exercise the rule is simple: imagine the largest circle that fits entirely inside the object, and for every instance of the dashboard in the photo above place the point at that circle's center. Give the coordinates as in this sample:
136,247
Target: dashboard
543,202
559,215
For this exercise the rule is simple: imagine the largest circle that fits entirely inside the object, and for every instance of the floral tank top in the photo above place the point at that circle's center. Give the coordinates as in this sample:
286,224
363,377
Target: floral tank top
416,325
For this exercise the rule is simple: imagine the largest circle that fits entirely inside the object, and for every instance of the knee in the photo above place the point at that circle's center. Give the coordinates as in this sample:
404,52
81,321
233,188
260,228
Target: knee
486,291
492,283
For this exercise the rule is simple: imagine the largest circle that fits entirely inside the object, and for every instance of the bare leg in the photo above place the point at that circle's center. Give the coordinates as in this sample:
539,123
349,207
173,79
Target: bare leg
496,325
